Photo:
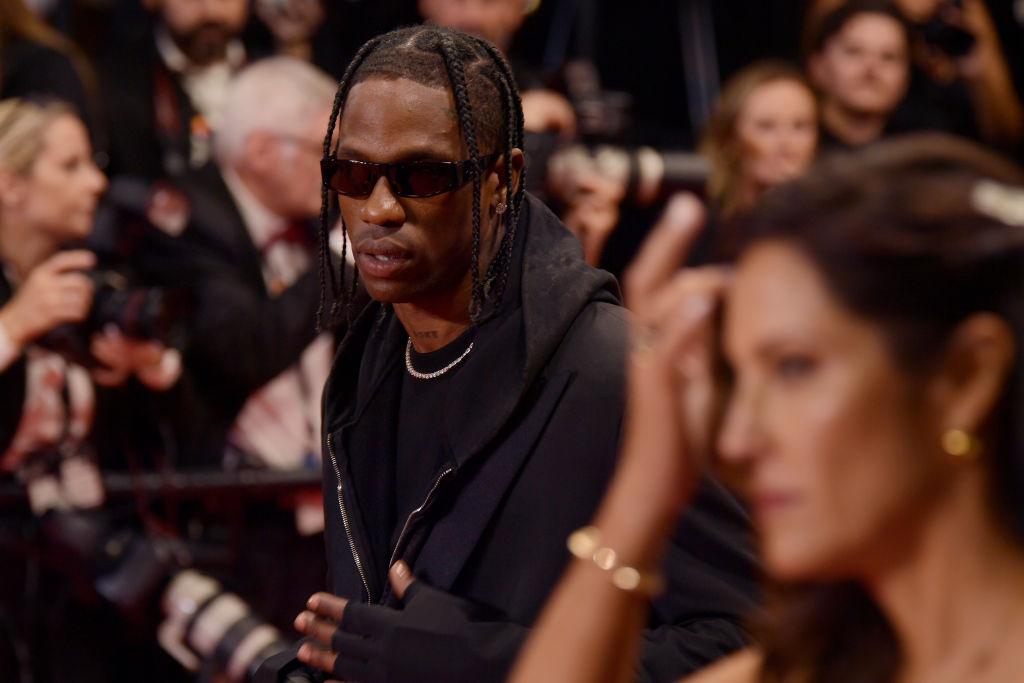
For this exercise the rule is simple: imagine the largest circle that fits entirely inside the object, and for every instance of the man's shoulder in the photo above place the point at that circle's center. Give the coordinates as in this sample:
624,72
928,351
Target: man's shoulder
597,340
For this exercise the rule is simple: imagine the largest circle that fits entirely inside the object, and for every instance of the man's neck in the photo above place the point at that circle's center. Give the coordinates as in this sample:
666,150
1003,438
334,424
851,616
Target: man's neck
428,330
852,127
435,324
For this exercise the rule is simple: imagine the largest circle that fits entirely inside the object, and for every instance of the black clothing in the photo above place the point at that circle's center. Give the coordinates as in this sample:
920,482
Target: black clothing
419,452
243,337
29,68
530,433
240,337
12,383
148,117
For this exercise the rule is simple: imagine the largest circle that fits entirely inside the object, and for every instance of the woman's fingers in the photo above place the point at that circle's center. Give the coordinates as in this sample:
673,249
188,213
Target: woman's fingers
667,301
664,250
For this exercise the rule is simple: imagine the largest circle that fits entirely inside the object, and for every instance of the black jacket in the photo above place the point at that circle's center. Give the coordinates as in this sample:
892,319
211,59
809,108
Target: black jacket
531,433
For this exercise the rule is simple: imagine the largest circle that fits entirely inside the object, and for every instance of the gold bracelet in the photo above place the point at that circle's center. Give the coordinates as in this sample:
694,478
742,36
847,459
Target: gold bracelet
585,544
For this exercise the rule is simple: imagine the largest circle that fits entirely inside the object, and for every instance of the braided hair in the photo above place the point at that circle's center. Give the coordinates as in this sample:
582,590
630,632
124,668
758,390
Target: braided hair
490,115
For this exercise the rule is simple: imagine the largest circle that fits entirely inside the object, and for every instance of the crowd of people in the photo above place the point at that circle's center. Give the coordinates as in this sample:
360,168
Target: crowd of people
357,245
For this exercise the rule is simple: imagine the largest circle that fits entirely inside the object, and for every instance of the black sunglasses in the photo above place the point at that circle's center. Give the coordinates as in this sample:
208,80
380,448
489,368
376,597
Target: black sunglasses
407,179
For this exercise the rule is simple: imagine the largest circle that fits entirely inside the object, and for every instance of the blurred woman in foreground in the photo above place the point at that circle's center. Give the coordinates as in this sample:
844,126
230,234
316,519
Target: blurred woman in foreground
872,326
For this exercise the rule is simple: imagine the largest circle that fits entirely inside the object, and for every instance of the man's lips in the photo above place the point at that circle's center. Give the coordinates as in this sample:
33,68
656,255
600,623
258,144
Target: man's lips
381,260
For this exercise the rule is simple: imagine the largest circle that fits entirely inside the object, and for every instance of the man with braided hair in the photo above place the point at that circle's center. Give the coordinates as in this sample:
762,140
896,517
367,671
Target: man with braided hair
471,420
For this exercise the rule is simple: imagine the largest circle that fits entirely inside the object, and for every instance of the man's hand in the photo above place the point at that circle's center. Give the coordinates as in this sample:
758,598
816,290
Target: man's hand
348,637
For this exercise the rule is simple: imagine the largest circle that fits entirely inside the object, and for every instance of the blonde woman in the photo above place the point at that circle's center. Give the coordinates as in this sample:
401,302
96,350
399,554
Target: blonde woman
49,189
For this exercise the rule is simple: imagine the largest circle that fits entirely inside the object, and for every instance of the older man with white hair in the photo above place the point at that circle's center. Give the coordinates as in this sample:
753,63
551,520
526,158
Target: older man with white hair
255,364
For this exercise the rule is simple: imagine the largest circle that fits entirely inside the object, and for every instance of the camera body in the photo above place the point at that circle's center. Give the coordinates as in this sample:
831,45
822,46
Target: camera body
949,38
137,311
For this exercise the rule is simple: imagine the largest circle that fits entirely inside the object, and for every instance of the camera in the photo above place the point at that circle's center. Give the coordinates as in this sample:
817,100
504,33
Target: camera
605,117
949,38
138,312
149,580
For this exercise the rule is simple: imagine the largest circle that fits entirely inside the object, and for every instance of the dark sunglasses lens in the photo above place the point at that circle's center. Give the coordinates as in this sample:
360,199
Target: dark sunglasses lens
353,178
424,179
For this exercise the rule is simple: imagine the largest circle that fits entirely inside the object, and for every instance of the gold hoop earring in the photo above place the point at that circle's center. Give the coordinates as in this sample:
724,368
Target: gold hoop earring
961,444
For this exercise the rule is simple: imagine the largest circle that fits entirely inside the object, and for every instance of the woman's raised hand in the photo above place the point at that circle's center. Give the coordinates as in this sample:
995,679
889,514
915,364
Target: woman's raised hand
671,377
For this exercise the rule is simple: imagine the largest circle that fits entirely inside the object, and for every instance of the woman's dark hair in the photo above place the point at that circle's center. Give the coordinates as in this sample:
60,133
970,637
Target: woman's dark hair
490,119
915,235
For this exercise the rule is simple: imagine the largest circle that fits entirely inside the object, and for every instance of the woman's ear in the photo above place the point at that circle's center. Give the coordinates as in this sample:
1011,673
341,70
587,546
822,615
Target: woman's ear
12,189
973,372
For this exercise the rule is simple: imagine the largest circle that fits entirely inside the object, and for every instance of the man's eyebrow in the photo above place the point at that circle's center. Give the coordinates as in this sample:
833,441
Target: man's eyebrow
412,154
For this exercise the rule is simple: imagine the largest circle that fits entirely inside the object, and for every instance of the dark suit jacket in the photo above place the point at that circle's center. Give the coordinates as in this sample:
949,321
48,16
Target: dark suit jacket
241,337
133,79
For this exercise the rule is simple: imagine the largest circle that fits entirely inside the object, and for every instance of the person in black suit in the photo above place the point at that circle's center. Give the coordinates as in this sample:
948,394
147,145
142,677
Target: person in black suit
254,366
49,188
164,89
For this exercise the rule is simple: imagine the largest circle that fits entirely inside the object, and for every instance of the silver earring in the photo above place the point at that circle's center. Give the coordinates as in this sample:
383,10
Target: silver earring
500,208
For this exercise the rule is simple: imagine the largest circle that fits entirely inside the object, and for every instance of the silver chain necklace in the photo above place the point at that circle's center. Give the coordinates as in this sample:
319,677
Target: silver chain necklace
436,373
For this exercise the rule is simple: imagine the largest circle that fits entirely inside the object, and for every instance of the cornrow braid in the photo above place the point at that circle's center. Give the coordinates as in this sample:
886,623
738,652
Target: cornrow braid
327,275
487,121
465,111
513,108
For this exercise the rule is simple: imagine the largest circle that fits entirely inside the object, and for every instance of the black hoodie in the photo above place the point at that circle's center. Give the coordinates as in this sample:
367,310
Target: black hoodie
530,435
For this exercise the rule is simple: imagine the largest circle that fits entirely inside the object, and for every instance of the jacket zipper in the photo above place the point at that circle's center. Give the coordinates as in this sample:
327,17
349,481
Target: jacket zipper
418,511
345,521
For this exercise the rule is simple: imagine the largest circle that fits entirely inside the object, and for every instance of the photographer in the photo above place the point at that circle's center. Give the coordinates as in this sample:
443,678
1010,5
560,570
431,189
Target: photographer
958,79
49,188
959,47
860,64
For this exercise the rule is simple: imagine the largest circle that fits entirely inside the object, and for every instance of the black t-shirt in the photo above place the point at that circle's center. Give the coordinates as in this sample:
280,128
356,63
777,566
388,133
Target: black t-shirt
419,454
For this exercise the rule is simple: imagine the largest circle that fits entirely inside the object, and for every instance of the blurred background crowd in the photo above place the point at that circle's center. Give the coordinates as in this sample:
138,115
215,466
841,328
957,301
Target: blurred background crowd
160,369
